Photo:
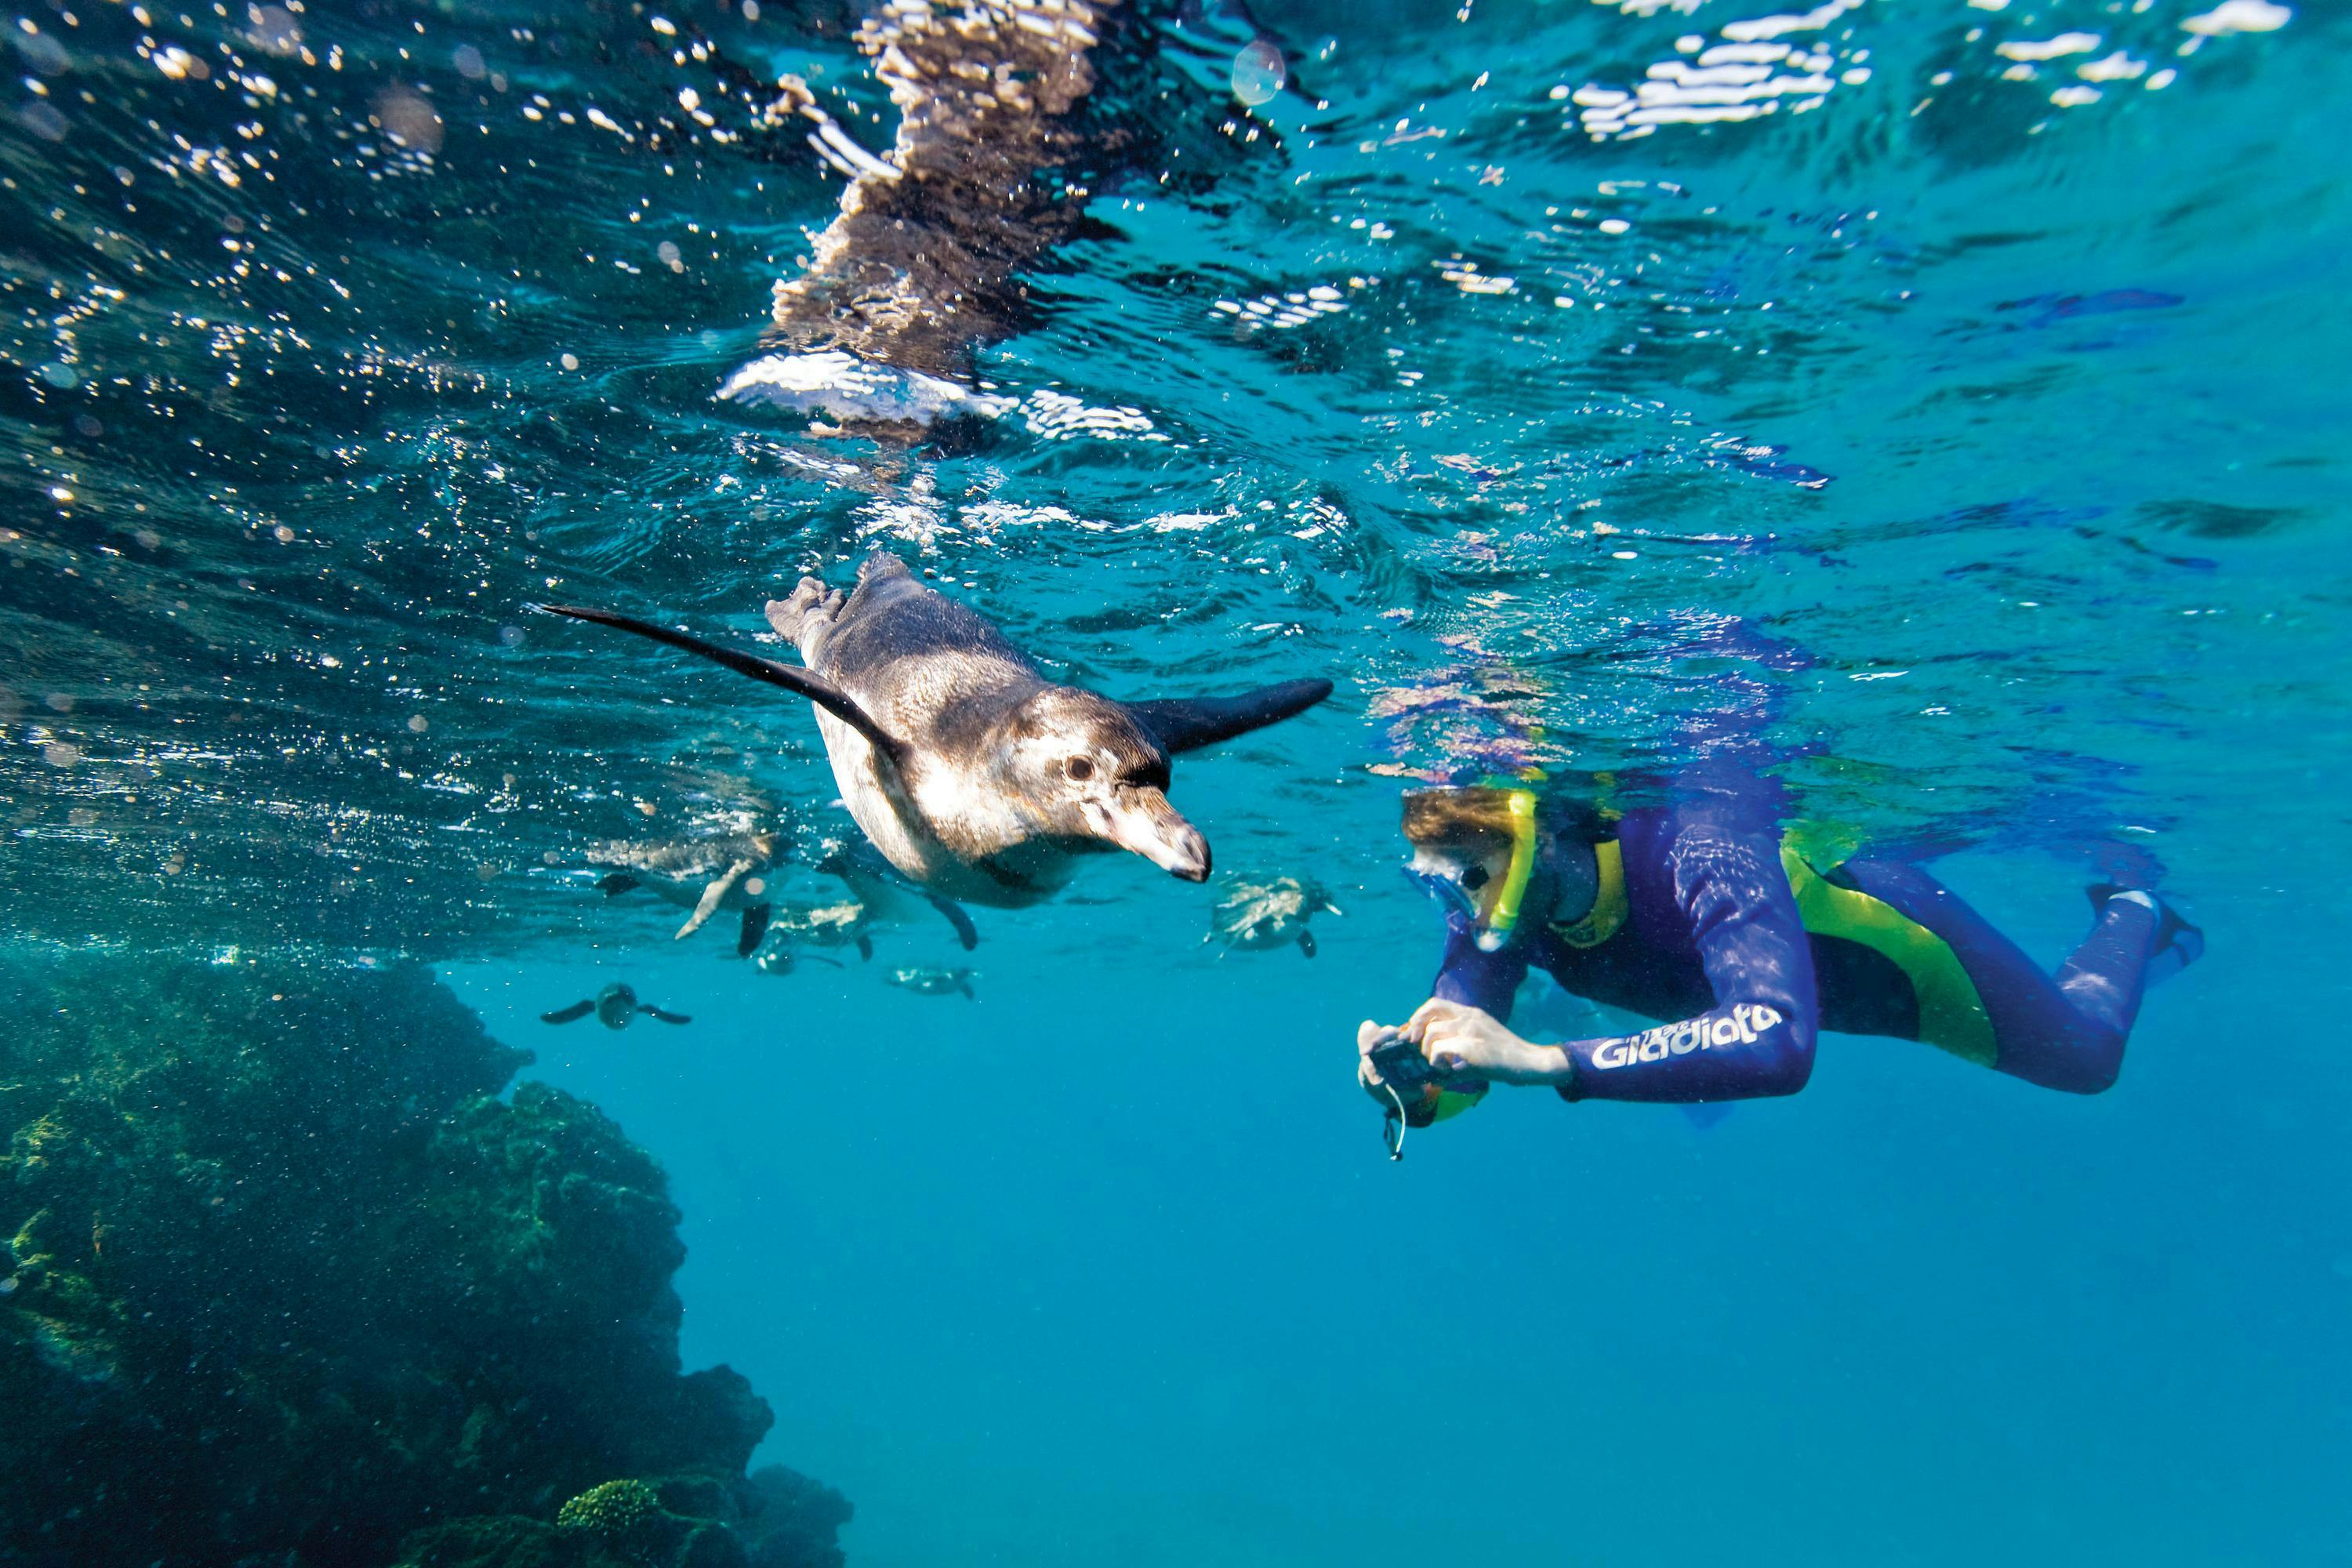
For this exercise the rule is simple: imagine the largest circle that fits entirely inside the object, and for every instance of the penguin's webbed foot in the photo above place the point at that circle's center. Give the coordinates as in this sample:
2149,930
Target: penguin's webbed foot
966,932
808,608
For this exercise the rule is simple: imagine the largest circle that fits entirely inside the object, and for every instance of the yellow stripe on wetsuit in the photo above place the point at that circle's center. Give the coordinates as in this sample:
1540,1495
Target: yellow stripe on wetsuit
1951,1013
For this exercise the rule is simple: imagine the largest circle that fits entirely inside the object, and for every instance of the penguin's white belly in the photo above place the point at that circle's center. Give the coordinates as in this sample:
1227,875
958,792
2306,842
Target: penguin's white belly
901,828
904,842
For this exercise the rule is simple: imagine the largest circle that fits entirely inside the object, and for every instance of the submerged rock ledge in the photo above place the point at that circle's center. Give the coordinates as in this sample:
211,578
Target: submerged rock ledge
285,1280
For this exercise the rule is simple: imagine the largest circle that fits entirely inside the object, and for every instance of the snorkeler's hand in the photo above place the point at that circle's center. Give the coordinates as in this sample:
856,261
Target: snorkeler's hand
1448,1063
1370,1037
1466,1043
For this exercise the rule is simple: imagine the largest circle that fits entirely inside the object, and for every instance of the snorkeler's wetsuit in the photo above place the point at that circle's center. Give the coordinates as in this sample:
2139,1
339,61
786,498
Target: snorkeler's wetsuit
1704,917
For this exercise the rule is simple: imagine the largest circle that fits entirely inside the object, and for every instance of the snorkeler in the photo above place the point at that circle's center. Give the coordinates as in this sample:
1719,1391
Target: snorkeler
1698,913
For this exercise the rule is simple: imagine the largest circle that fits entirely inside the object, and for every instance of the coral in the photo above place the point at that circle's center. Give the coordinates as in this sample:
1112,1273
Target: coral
627,1519
285,1278
776,1519
611,1510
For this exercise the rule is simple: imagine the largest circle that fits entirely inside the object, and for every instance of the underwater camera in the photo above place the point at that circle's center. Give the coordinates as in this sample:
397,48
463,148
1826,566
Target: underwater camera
1403,1071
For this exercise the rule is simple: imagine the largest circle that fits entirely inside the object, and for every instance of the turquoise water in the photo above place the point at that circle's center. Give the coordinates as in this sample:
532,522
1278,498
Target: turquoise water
1998,366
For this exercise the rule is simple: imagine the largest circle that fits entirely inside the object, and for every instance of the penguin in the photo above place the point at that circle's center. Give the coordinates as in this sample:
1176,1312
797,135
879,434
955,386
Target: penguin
937,241
703,874
930,250
780,957
925,981
974,775
616,1007
876,895
877,886
1262,915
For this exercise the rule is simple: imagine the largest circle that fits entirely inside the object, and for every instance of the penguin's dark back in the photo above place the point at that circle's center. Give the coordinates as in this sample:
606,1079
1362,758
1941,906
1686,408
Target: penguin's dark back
893,617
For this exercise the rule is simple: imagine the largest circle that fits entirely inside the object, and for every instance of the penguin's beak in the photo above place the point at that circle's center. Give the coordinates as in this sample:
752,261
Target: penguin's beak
1138,817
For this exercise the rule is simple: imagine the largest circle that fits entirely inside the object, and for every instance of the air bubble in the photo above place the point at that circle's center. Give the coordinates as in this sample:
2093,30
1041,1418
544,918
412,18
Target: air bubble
1258,72
408,119
44,121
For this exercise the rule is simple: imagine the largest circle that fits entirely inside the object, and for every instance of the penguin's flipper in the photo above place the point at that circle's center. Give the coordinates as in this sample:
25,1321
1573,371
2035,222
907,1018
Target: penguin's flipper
755,926
616,884
1188,723
790,676
713,896
650,1011
865,946
966,932
1307,941
572,1015
964,984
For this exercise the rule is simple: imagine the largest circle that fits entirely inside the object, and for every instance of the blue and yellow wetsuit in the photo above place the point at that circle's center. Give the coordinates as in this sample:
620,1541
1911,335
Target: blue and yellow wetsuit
1704,917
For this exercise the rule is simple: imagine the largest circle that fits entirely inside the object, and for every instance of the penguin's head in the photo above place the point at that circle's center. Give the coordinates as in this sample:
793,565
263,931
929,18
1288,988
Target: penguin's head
617,1006
1088,769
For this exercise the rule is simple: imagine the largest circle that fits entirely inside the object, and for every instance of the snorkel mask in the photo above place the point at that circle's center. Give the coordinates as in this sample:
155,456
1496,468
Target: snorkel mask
1483,813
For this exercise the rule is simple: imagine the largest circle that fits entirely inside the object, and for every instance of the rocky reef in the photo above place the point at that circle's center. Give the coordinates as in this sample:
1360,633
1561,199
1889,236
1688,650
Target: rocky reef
285,1280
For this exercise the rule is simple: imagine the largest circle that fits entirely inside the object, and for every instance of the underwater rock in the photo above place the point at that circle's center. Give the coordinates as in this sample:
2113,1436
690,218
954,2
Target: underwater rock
286,1280
775,1519
795,1519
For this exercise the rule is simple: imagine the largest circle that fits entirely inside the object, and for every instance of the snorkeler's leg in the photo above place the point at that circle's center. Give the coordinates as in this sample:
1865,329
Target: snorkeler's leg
2177,944
2043,1032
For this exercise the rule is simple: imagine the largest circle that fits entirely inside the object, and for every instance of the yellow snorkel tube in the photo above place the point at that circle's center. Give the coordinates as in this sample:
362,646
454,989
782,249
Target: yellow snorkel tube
1503,916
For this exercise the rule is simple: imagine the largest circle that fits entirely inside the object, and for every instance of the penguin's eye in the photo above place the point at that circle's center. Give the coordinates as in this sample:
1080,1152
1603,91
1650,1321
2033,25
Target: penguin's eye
1474,878
1079,768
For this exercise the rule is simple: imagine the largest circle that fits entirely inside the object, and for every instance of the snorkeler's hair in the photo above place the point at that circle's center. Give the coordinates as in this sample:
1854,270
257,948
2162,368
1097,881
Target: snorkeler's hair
1451,815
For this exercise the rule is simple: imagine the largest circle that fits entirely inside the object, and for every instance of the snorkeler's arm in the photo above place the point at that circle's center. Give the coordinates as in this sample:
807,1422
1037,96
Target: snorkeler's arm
1486,981
1757,1039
